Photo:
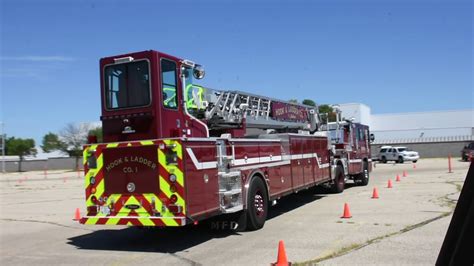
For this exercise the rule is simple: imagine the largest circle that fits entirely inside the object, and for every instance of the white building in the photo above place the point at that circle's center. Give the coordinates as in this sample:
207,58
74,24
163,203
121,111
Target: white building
420,126
416,125
359,111
435,133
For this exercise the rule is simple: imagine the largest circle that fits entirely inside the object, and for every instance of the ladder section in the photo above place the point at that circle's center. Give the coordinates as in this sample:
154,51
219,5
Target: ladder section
229,108
230,182
233,106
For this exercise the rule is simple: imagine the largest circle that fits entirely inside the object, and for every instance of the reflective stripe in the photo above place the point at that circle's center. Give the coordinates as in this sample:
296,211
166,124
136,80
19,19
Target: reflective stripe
171,169
92,220
100,188
165,188
143,214
112,221
145,221
146,142
244,162
178,149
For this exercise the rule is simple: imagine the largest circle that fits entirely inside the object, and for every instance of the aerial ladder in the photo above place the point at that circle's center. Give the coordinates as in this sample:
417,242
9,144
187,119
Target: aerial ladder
223,109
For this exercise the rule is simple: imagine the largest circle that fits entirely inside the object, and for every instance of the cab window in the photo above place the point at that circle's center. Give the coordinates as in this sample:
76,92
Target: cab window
361,134
127,85
169,84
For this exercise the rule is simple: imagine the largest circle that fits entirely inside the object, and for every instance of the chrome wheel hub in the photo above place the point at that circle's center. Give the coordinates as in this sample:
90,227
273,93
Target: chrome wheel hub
259,204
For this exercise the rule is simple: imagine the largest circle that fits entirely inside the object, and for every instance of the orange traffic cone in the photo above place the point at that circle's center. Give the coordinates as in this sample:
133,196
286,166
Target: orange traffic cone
281,259
375,194
77,215
405,173
397,179
389,183
347,212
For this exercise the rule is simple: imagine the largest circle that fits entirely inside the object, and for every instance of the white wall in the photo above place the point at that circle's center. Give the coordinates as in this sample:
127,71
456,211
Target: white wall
360,112
424,120
423,124
415,125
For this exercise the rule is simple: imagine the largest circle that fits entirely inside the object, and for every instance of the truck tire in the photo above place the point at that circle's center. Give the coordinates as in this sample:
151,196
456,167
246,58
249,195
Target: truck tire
339,180
400,159
257,204
384,159
364,176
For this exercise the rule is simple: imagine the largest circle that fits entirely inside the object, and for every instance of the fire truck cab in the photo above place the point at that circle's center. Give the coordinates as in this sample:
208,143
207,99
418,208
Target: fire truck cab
351,142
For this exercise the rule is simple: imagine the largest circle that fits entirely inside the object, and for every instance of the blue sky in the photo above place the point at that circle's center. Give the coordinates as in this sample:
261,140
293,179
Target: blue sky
395,56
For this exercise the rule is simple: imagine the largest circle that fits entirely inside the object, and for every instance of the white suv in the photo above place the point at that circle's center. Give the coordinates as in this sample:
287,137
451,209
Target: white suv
397,154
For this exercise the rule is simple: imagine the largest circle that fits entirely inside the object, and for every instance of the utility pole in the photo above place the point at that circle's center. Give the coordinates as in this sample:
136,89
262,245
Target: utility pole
3,147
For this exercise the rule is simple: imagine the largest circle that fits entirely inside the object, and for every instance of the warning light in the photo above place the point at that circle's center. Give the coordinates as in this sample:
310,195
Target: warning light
173,198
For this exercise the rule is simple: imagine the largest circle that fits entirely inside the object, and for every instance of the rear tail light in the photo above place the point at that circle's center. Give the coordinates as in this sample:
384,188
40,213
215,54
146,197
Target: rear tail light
173,199
94,200
173,189
174,208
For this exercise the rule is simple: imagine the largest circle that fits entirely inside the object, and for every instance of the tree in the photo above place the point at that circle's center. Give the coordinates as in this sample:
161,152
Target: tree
70,140
74,136
98,133
51,142
330,115
309,102
325,108
20,147
293,101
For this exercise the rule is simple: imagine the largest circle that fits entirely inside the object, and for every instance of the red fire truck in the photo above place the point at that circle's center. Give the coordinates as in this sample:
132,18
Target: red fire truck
175,153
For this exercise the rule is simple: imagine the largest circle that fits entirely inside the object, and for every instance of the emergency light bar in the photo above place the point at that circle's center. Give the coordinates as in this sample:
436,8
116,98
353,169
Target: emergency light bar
123,59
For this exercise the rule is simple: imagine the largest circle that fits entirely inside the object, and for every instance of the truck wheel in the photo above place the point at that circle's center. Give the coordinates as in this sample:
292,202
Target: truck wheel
257,204
339,180
415,161
400,159
364,176
384,159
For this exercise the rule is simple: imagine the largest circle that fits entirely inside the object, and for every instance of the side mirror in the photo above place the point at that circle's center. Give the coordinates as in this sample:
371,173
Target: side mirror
372,137
198,72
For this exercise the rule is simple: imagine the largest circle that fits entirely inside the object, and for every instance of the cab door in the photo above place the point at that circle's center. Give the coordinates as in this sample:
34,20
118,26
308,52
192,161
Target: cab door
171,115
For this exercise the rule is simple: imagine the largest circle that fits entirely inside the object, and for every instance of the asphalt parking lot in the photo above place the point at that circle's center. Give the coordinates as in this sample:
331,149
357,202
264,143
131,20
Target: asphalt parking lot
406,225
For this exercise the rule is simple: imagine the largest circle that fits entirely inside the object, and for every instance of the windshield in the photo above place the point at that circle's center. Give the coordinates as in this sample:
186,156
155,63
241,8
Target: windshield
193,94
402,149
127,85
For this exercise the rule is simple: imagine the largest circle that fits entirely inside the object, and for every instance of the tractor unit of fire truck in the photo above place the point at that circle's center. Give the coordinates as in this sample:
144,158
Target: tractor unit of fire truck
175,153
